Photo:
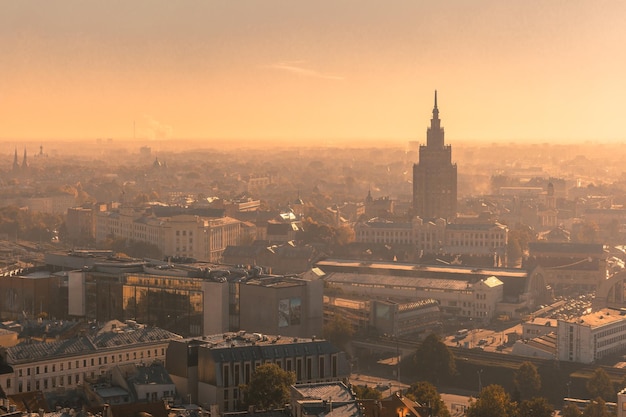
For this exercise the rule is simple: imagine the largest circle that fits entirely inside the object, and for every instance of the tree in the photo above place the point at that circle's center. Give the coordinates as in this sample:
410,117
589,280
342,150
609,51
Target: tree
492,401
536,407
600,385
434,360
527,380
426,394
339,331
363,392
268,388
570,410
596,408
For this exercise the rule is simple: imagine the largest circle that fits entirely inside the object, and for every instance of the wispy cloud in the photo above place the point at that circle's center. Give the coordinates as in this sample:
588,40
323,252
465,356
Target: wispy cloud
298,67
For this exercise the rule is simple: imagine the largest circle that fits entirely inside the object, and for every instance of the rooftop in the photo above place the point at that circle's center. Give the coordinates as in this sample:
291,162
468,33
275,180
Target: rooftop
598,318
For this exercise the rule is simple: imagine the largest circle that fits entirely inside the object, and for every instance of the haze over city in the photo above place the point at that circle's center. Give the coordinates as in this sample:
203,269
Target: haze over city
323,72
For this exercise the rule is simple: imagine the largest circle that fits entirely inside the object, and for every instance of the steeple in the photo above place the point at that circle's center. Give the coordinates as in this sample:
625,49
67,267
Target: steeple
16,164
25,160
434,134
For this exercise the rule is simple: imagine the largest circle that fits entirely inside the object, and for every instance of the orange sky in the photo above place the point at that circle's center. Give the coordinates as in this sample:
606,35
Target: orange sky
330,70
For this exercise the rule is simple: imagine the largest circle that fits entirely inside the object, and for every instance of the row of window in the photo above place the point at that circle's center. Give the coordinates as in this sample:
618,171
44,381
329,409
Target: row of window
236,377
84,363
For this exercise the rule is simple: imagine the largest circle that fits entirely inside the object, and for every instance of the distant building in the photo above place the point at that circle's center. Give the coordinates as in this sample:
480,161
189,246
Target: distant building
570,267
462,292
176,235
435,176
211,369
437,236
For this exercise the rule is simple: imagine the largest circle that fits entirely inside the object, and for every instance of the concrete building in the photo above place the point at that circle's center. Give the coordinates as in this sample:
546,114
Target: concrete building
435,176
33,292
66,363
289,306
210,369
591,337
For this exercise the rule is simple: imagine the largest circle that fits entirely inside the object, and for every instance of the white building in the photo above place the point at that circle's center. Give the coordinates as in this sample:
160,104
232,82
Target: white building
64,364
436,236
591,337
182,235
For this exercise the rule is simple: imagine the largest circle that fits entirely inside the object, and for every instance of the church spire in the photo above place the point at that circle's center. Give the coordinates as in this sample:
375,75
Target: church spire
16,164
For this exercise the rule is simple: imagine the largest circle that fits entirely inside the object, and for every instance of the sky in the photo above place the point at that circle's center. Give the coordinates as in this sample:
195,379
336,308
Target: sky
323,71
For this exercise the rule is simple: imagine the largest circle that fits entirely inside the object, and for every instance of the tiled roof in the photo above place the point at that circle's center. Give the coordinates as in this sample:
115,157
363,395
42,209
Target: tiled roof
29,352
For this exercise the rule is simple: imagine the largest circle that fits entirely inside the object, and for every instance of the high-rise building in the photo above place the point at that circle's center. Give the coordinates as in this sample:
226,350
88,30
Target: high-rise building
434,176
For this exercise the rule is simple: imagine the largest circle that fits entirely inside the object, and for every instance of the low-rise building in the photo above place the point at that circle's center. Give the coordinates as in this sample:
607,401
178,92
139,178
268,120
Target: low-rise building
462,292
64,364
591,337
211,369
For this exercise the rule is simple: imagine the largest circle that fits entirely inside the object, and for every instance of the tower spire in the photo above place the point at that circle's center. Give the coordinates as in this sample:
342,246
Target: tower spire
435,109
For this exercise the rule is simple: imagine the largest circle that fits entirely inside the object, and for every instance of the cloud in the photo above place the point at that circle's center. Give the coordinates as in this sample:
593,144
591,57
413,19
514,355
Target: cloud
296,67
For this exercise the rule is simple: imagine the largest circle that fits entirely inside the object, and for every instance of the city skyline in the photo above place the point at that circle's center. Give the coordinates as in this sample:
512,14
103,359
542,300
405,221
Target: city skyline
330,72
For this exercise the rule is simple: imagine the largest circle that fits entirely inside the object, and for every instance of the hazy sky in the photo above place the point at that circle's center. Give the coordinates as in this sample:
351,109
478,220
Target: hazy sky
332,70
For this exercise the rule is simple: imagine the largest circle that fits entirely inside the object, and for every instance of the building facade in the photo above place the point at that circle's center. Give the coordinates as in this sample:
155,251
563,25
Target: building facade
435,176
591,337
211,369
66,363
179,235
436,236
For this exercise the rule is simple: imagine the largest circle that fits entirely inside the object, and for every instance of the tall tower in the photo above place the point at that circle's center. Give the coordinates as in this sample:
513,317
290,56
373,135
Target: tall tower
16,164
434,176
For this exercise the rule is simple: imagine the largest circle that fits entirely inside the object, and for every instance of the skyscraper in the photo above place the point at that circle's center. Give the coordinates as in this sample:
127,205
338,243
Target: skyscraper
434,176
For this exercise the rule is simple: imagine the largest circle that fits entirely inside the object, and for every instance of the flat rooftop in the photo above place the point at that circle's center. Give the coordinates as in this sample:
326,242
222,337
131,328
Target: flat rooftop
598,318
329,265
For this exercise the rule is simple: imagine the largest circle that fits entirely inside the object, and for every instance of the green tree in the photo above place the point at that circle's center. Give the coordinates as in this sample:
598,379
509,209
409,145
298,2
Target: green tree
596,408
570,410
434,360
600,385
339,331
536,407
492,401
363,392
527,380
268,388
426,394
